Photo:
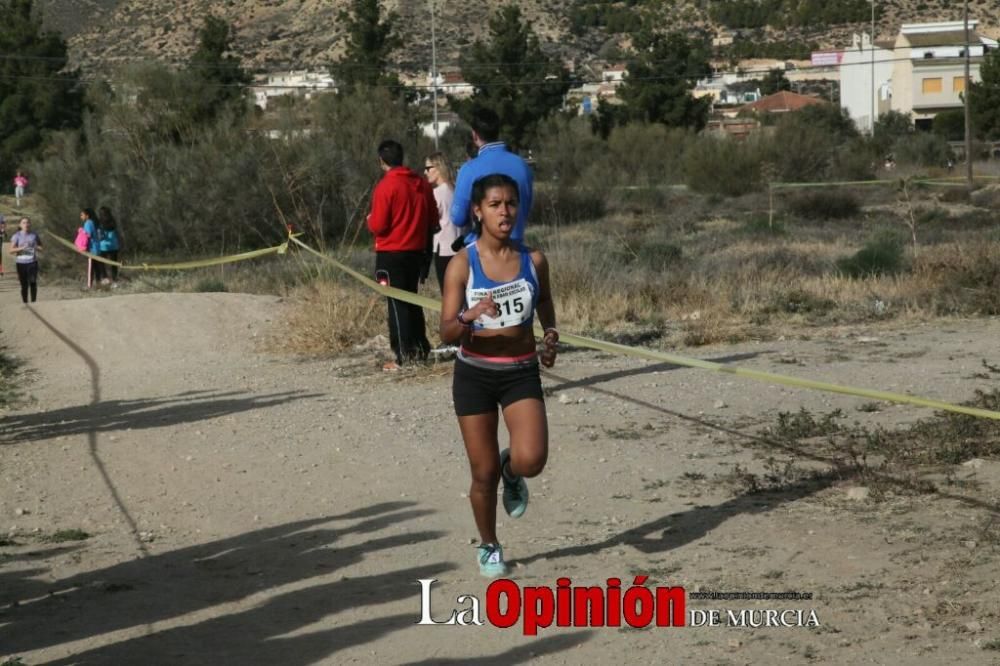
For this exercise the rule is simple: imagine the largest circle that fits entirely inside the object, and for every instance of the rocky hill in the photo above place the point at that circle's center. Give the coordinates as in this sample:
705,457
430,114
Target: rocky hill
272,34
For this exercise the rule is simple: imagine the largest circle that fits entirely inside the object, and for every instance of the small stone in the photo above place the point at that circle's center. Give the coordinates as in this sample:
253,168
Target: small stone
858,493
471,541
602,460
974,626
720,404
970,544
975,463
564,399
21,512
256,518
189,458
735,643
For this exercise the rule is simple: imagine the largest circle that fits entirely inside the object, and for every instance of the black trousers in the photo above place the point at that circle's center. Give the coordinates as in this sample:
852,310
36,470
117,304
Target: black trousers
440,266
27,275
407,334
113,270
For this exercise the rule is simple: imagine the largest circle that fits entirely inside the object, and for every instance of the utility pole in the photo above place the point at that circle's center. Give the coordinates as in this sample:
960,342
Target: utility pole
434,75
968,110
872,40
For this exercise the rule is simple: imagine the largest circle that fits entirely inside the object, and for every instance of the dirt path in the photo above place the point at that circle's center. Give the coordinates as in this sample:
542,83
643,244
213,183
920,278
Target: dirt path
245,508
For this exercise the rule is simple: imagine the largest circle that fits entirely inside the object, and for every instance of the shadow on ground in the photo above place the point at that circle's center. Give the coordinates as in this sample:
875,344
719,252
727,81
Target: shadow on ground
137,594
114,415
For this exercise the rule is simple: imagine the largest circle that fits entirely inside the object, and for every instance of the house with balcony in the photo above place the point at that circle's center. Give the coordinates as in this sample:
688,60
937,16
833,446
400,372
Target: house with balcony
920,72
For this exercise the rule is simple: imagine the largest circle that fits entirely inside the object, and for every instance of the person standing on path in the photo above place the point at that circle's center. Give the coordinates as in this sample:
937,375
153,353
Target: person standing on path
109,243
493,158
493,289
20,185
90,227
24,246
438,171
403,213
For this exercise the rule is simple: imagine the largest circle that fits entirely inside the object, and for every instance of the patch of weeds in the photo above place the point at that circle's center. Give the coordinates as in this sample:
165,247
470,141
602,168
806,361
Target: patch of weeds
992,644
4,541
793,426
742,480
9,366
210,285
992,368
801,302
761,225
621,496
824,205
13,661
948,438
65,535
774,574
882,255
869,407
693,476
622,433
656,485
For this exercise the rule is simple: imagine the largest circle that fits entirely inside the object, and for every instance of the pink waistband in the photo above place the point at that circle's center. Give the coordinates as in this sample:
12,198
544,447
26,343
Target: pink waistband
499,359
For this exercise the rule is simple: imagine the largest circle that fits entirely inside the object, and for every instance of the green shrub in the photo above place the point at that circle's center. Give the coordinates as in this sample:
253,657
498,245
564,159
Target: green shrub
760,224
883,255
723,166
922,149
206,285
835,204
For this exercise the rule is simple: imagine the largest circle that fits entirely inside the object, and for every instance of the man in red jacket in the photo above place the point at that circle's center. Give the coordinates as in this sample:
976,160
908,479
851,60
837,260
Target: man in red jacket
401,219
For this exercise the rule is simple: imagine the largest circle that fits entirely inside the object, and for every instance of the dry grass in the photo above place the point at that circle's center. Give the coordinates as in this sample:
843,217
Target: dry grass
331,317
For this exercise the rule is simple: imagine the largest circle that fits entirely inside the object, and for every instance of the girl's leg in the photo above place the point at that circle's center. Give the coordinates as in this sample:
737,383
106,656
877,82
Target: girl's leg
22,277
33,282
529,437
480,434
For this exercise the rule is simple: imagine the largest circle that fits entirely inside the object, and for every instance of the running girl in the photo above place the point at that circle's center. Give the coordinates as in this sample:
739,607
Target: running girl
492,291
24,245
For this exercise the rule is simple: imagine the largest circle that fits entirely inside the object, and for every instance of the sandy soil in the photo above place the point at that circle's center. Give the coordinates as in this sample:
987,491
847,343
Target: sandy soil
250,508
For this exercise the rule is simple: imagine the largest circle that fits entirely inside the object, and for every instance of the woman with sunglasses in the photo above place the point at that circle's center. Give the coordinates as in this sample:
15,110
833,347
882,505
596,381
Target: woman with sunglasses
439,174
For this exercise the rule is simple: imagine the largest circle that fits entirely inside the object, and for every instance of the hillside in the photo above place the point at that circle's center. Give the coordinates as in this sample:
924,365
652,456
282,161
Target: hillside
273,34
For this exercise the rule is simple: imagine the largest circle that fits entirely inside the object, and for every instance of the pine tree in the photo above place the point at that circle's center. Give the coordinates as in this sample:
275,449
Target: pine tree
513,77
218,75
658,86
38,93
984,99
371,40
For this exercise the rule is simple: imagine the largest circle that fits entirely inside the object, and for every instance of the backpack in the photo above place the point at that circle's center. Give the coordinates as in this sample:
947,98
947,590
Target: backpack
109,240
82,240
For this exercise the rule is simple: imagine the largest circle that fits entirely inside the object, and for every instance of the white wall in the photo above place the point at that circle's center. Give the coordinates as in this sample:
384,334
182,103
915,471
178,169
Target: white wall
857,87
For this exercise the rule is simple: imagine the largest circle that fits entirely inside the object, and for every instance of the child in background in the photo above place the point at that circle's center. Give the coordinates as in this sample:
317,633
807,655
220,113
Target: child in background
24,245
109,243
20,183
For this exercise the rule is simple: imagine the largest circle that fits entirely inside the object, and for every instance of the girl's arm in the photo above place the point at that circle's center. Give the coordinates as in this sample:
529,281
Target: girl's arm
453,298
451,329
545,309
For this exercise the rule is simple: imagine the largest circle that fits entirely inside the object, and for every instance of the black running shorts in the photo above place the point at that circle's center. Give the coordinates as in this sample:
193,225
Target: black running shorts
479,391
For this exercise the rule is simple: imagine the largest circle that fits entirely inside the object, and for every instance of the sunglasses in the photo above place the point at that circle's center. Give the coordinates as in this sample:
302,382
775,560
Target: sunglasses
428,167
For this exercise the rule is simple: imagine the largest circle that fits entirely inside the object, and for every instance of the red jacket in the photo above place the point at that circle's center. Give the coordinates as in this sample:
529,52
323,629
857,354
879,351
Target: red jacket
403,212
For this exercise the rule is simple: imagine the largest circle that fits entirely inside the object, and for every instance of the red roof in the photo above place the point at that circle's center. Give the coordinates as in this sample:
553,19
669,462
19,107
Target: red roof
782,102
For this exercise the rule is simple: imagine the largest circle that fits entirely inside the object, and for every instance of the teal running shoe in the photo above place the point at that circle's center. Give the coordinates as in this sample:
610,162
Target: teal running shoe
515,490
491,564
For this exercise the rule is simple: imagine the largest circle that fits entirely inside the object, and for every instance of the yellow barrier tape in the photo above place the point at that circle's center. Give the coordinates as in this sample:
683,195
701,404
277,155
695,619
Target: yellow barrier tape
959,180
184,265
577,340
653,355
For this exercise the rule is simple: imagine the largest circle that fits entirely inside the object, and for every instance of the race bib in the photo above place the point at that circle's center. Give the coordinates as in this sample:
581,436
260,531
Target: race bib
515,302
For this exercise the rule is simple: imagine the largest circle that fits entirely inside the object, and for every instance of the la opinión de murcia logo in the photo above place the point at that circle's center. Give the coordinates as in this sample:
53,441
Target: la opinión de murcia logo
637,606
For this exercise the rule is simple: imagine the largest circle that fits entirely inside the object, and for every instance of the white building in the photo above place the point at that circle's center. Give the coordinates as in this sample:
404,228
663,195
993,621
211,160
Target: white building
920,72
865,76
450,82
301,83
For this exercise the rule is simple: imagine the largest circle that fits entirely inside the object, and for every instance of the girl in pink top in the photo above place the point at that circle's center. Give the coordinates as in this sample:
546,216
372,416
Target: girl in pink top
20,182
